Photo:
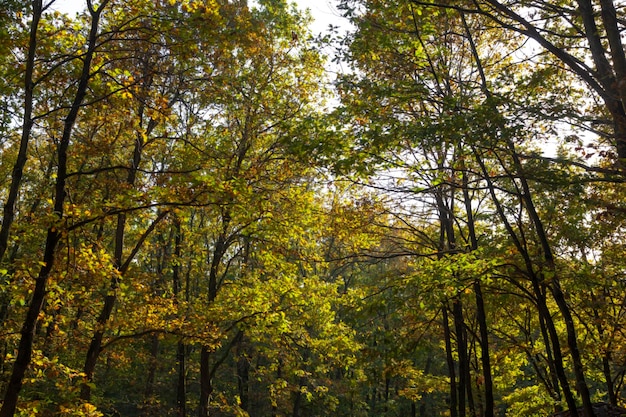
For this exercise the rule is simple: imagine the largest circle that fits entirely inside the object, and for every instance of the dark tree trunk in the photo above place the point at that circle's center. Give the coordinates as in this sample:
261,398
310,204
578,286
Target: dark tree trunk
555,286
484,348
537,286
243,376
481,316
95,347
461,342
297,401
181,385
208,370
553,375
606,356
387,387
27,332
447,334
572,343
27,125
610,80
149,405
24,352
301,382
206,385
181,349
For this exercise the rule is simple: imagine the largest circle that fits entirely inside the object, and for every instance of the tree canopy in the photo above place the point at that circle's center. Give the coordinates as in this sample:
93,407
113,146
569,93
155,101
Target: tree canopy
207,210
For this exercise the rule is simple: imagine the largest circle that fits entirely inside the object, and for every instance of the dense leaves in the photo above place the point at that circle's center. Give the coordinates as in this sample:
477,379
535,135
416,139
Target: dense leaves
194,223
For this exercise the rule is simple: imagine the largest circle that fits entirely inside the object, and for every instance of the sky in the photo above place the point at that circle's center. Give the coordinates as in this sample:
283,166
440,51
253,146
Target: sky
324,12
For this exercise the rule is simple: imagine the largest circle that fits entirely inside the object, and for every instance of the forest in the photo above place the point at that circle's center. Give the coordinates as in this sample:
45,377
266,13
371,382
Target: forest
209,210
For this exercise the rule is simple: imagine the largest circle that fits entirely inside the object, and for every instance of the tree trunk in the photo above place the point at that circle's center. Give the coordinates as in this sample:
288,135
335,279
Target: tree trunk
27,126
243,376
450,361
611,79
95,346
301,382
181,385
606,356
25,348
542,308
555,286
461,342
484,350
572,342
206,385
297,403
553,376
279,375
181,349
481,316
153,361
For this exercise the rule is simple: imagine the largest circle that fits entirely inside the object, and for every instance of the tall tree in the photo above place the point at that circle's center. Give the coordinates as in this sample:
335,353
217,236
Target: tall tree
54,234
572,34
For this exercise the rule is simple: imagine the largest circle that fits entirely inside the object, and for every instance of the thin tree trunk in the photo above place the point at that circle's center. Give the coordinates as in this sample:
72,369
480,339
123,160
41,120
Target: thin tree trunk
207,372
206,385
301,382
536,283
597,50
243,376
153,361
572,342
450,361
5,295
550,359
484,350
25,348
606,357
279,375
95,347
181,349
27,126
297,403
222,244
181,385
387,387
555,287
461,342
481,316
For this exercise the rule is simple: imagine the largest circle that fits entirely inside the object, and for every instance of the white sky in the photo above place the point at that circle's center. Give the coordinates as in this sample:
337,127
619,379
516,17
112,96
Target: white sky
324,12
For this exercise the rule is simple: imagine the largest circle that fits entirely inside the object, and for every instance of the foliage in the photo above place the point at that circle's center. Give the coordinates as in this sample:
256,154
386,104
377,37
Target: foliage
194,224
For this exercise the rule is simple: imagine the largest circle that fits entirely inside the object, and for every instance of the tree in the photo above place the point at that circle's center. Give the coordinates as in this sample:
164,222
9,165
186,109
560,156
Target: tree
189,228
571,34
53,235
417,101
